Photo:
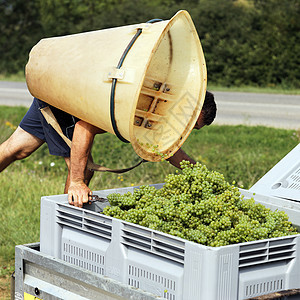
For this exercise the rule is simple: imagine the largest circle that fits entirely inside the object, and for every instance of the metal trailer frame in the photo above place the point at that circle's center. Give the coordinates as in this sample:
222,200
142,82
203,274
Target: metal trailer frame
40,276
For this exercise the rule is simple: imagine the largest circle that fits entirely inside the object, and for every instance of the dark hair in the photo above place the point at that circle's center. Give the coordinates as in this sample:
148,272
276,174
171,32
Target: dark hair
209,108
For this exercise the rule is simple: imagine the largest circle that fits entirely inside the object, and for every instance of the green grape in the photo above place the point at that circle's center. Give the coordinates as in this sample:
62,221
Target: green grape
201,206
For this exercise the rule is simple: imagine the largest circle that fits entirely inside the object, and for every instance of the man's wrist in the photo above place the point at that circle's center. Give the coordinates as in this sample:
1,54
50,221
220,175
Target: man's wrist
77,182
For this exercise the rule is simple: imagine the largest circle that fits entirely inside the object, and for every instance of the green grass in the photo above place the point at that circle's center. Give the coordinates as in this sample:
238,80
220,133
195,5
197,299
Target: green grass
272,89
20,76
241,153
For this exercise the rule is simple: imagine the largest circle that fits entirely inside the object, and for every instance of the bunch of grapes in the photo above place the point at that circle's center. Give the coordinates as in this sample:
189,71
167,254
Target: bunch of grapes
201,206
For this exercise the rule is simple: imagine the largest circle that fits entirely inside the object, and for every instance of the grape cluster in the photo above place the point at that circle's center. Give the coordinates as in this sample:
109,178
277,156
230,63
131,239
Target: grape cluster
201,206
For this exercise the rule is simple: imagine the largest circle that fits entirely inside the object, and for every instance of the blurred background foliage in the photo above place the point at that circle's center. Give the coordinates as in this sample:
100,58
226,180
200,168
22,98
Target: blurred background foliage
245,42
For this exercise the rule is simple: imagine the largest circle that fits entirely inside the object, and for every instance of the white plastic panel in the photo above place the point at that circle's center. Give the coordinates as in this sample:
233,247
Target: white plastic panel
283,180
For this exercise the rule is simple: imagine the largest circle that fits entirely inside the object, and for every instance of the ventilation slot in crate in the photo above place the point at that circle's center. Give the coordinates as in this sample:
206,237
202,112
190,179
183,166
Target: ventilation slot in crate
69,216
263,288
147,240
83,258
267,251
288,186
95,224
137,275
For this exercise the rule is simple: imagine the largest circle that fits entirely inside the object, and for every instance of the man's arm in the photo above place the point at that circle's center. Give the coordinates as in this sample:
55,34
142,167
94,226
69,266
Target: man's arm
83,137
179,156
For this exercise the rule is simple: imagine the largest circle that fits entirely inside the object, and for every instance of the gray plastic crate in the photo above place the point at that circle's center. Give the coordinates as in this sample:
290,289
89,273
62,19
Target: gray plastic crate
165,265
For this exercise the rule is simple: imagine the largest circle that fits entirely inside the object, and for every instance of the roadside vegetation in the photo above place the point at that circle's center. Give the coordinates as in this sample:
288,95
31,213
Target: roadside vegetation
245,42
243,154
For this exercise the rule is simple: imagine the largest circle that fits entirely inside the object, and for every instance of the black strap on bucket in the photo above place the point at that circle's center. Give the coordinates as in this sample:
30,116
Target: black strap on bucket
114,82
113,88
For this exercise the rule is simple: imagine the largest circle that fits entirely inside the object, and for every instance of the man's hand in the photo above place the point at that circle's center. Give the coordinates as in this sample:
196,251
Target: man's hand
78,194
179,156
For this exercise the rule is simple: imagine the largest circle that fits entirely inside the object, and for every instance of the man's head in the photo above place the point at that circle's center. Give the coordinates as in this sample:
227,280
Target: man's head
208,112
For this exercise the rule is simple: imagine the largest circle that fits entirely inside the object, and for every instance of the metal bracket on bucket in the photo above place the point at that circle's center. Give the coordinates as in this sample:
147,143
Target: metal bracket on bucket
124,75
116,73
143,26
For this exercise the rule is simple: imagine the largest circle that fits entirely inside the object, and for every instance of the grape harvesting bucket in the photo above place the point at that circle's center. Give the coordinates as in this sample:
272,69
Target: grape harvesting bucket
145,83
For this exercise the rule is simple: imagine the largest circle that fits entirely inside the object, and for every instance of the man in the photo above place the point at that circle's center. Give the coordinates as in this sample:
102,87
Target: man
78,190
33,131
